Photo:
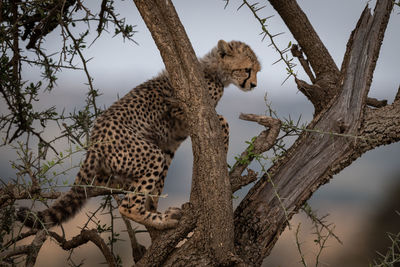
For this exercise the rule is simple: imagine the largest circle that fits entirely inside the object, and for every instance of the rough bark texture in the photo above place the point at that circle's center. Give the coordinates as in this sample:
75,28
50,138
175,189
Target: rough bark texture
214,234
316,156
343,128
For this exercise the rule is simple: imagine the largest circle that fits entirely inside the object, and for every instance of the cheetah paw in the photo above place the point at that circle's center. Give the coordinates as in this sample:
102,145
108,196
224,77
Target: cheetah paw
174,213
172,216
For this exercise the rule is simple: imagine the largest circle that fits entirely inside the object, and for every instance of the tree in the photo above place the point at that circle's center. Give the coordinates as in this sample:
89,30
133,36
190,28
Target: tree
346,124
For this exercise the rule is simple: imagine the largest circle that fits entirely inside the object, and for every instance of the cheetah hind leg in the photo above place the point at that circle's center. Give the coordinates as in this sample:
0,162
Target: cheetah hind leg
133,207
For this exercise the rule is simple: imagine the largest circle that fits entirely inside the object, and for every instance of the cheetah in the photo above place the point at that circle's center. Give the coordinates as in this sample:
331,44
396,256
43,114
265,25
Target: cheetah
133,142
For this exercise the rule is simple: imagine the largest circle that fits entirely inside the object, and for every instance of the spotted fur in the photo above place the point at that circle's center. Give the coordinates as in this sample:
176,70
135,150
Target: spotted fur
134,141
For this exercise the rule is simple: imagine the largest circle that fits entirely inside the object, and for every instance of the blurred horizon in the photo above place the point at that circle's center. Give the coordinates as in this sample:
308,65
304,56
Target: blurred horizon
357,198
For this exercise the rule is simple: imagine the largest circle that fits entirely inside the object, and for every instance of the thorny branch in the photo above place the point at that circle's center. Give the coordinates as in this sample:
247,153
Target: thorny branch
31,251
84,237
35,175
263,142
254,8
39,20
163,246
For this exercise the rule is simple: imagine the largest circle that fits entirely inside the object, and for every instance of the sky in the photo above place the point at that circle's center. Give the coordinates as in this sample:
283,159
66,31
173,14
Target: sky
351,197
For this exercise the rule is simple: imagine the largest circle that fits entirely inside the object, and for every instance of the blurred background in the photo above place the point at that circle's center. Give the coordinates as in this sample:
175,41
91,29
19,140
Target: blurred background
362,200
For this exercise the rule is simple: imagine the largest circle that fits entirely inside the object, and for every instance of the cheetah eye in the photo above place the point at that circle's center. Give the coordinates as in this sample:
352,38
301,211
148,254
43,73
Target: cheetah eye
248,70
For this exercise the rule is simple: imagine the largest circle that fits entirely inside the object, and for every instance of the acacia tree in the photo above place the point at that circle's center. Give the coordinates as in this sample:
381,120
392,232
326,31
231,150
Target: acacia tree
346,124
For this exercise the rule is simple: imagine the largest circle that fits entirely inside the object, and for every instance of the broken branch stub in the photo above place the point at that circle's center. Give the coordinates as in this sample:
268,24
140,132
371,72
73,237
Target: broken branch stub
263,142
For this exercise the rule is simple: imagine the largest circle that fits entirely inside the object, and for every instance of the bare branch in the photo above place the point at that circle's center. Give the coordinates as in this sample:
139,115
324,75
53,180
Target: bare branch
34,248
314,157
14,251
84,237
325,69
302,30
243,180
379,127
138,250
315,93
263,142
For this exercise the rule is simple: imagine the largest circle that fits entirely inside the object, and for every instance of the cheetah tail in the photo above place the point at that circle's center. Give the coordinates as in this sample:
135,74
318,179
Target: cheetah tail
64,208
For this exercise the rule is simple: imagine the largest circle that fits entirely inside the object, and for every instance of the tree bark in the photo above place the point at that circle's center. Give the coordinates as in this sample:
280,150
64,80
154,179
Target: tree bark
330,144
325,69
343,128
214,234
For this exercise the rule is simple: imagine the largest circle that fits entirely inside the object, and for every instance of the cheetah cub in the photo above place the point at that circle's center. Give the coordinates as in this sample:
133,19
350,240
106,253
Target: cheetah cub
134,141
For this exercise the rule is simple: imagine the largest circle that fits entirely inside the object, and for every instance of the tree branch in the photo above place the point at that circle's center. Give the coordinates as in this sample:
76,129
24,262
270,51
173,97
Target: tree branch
138,250
162,247
263,142
35,247
297,52
30,250
315,156
84,237
296,20
379,127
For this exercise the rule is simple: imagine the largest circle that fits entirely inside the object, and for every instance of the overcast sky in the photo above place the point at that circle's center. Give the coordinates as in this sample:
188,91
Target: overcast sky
119,66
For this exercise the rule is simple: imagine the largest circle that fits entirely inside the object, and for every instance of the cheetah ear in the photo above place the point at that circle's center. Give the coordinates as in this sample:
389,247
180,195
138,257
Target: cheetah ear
224,48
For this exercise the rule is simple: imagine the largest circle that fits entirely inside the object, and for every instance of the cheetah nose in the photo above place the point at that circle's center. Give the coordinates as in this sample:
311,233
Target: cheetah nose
252,85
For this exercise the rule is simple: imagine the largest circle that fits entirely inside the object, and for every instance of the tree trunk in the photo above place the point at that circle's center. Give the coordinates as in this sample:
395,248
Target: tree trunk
342,129
214,234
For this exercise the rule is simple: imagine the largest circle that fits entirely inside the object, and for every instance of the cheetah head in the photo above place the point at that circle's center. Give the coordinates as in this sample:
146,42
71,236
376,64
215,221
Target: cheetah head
239,64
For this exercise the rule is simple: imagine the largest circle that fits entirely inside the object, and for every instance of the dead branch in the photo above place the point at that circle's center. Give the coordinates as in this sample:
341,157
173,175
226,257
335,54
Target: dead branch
325,69
315,93
263,142
379,127
20,237
315,157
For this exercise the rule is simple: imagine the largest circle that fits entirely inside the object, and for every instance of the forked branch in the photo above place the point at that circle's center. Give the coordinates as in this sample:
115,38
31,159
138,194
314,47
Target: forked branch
315,157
